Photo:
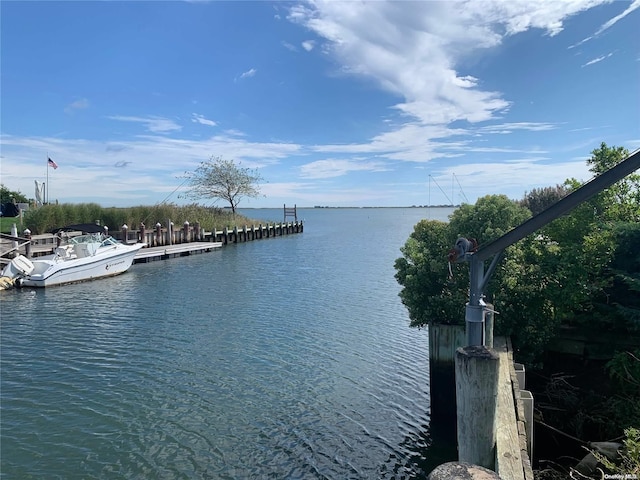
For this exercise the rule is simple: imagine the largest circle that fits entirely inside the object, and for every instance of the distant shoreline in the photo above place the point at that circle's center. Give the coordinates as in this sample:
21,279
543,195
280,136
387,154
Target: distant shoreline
338,208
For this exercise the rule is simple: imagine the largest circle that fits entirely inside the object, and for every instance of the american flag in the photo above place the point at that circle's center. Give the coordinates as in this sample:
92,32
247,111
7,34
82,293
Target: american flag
51,163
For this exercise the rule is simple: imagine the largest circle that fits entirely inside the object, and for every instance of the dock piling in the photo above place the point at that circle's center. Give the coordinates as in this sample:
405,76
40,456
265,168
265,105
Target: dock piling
476,396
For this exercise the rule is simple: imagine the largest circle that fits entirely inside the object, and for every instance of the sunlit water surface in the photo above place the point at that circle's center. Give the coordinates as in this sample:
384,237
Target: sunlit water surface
282,358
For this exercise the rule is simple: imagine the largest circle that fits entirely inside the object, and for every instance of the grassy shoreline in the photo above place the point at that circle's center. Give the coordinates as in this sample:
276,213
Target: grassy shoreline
48,217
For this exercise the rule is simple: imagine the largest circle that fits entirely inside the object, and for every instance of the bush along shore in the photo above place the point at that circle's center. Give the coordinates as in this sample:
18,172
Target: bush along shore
49,217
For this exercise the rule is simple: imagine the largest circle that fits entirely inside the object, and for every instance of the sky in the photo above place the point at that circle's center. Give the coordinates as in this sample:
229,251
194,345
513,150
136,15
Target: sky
333,103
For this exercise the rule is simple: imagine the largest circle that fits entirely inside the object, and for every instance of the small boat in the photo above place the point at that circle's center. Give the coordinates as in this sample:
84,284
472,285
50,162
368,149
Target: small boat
82,258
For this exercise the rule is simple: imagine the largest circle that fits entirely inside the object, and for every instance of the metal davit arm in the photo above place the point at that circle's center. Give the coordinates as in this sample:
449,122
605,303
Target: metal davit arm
478,279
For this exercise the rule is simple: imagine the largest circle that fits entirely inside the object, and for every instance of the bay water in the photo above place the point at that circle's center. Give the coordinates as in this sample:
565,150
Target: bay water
284,358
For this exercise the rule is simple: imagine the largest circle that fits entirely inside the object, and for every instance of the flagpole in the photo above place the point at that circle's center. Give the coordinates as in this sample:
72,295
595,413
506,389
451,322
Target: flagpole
47,187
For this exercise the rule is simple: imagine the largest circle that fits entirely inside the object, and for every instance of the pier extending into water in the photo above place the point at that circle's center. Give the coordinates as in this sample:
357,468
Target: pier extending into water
162,242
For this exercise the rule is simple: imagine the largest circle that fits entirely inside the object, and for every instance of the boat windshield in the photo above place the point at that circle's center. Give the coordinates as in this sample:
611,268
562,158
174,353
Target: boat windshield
90,238
106,241
103,240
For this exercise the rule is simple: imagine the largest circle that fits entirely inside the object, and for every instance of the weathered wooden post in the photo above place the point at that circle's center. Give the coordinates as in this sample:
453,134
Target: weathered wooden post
197,232
27,247
14,243
125,233
476,398
143,234
169,232
444,340
235,234
185,231
225,235
488,325
106,231
158,234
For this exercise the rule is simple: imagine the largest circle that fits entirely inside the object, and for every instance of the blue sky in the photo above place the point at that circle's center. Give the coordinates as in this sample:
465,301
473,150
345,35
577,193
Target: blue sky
336,103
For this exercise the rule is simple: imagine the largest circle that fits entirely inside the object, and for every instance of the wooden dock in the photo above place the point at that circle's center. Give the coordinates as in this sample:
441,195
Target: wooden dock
510,445
150,254
162,242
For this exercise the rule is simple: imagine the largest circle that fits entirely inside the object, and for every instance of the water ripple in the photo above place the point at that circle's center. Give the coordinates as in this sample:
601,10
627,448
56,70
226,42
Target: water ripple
287,358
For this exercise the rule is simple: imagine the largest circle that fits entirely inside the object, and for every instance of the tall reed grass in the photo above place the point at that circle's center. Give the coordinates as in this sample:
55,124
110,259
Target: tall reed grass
46,218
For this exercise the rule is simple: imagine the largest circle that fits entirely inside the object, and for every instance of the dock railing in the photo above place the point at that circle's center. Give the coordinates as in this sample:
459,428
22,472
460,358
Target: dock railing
159,235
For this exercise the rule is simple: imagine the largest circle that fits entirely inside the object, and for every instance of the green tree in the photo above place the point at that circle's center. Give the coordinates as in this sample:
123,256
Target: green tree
621,201
429,292
571,271
223,179
540,199
7,195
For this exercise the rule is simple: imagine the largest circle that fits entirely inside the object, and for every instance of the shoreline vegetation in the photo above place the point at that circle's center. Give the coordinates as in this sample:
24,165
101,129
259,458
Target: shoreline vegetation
47,217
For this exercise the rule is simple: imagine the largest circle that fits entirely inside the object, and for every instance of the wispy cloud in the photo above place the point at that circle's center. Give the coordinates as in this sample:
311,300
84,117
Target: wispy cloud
610,23
289,46
598,59
337,167
79,104
634,6
249,73
308,45
151,123
196,118
511,127
417,61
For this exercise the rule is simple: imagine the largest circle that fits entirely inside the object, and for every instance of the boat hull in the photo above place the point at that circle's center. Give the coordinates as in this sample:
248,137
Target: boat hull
104,264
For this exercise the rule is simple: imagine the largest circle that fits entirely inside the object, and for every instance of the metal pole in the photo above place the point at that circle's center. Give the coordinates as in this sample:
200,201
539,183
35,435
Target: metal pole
474,314
563,206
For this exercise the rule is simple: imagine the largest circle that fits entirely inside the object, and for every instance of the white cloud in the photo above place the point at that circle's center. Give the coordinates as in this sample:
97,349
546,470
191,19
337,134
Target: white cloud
79,104
196,118
513,174
289,46
308,45
152,123
598,59
608,24
337,167
154,164
414,50
249,73
510,127
634,6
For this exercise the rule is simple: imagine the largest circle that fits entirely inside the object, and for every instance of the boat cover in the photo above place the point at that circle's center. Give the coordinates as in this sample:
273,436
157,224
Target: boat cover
80,227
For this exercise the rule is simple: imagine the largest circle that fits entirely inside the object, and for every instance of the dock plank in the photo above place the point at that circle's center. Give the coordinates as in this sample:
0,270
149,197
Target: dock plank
157,253
509,461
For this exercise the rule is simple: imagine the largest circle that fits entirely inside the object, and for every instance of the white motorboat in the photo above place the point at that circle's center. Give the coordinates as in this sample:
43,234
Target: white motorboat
84,257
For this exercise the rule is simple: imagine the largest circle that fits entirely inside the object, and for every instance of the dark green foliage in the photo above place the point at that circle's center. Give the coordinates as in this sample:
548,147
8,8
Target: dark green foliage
621,201
7,195
422,270
581,268
429,293
491,217
540,199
